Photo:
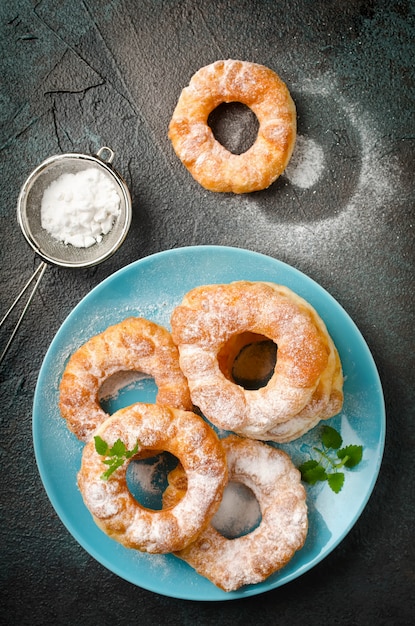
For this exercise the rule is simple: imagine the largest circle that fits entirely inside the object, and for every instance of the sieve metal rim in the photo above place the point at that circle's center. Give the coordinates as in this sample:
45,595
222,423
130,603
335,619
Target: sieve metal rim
97,159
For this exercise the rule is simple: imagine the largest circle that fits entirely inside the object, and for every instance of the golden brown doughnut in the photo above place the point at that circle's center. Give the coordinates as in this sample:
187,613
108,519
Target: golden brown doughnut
326,402
251,558
212,165
204,326
135,344
117,512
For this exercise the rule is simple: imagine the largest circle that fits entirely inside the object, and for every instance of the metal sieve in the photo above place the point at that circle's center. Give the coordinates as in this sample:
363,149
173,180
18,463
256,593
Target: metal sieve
49,249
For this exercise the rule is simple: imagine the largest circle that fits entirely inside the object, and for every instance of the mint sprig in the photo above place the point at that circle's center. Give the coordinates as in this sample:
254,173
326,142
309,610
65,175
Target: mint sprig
331,460
116,455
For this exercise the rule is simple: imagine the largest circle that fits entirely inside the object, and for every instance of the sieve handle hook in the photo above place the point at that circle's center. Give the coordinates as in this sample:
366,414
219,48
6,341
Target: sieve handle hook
106,152
36,278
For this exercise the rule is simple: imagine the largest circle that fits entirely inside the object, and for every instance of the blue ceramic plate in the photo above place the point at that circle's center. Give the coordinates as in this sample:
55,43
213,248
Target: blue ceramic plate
151,287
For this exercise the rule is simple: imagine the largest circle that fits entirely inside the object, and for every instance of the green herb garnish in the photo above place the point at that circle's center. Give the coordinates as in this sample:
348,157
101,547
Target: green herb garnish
332,458
117,454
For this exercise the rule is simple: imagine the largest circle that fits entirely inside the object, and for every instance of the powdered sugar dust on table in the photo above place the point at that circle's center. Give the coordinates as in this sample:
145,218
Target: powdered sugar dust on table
151,288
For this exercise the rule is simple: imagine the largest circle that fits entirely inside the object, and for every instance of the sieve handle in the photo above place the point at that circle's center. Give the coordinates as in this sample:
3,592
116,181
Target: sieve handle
37,276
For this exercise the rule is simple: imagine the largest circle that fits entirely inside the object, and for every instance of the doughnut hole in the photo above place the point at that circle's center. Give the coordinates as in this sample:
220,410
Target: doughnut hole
234,125
248,359
124,388
239,512
147,478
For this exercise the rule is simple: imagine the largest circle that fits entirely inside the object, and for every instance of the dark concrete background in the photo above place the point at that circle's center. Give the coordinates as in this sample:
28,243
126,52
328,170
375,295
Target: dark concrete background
79,75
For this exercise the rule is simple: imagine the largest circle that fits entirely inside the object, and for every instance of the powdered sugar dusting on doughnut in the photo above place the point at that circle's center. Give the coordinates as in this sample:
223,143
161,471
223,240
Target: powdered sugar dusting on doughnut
135,344
99,495
214,167
110,502
211,315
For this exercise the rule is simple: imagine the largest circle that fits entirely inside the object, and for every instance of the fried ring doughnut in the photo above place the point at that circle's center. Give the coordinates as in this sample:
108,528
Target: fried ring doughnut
117,512
326,402
212,165
251,558
203,327
135,344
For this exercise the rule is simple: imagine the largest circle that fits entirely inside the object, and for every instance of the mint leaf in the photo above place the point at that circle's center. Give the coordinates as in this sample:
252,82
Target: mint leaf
130,453
118,449
100,445
353,453
312,471
115,456
336,481
115,465
331,458
331,438
308,465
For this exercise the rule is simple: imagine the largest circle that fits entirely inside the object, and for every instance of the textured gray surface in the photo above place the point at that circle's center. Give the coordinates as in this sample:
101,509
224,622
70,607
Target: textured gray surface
78,75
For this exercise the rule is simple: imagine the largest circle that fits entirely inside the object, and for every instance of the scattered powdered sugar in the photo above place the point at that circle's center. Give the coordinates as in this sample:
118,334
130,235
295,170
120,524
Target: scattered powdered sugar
306,163
111,387
376,176
78,209
146,475
239,511
360,182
